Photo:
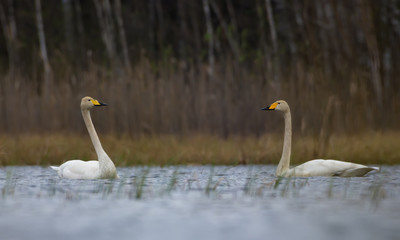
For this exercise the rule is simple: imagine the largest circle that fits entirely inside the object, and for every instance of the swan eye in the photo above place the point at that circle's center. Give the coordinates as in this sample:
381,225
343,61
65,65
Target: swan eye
89,100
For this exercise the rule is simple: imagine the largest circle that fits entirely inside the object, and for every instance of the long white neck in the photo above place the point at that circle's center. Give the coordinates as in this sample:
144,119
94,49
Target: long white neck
92,132
105,163
284,163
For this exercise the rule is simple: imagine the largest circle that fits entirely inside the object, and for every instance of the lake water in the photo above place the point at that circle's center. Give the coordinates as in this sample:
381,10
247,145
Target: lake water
198,202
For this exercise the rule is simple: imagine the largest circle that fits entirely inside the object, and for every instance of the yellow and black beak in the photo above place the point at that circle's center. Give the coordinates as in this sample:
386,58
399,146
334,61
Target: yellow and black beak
97,103
270,107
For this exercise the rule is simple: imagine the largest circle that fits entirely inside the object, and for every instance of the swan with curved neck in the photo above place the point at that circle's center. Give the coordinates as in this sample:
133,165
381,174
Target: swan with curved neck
78,169
317,167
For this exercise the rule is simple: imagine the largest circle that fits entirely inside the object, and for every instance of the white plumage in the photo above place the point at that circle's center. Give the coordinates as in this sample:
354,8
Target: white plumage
78,169
317,167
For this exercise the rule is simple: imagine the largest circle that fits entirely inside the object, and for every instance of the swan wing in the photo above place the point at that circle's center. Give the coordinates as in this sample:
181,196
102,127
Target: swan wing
357,172
321,167
78,169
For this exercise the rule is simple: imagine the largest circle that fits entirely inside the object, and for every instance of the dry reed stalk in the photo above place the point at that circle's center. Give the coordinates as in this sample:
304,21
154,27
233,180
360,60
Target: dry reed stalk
46,149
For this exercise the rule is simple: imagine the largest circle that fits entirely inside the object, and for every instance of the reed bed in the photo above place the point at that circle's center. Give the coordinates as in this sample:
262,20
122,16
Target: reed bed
197,149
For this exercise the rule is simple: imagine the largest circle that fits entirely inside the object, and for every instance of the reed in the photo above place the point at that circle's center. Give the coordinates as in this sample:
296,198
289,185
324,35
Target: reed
171,75
370,193
54,149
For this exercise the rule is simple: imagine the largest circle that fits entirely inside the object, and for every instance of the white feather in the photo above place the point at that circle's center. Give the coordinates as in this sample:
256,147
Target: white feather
317,167
78,169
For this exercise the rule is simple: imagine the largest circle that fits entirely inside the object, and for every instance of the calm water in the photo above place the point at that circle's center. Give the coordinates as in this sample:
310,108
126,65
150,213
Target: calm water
192,202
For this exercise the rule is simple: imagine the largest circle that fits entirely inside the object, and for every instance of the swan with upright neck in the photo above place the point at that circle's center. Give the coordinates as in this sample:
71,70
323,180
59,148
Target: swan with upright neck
78,169
317,167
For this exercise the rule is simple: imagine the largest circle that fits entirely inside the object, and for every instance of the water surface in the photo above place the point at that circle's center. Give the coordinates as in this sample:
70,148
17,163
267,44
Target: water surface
198,202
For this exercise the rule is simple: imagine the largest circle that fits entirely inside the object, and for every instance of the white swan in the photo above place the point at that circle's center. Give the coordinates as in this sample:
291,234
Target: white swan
317,167
78,169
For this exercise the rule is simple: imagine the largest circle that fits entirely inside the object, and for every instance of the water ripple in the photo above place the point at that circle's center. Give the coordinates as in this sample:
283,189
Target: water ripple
198,202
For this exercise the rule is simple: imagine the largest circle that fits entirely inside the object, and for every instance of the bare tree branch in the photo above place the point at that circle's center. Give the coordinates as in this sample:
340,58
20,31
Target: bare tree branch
43,48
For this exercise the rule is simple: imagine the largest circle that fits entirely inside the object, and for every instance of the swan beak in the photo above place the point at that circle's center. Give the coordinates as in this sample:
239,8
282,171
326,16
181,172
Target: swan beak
270,107
97,103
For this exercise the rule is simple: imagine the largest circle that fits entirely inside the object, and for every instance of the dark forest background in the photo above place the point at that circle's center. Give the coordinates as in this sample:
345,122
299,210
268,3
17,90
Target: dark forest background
181,67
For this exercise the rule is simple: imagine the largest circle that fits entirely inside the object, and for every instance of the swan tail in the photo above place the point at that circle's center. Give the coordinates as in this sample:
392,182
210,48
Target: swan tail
376,169
55,168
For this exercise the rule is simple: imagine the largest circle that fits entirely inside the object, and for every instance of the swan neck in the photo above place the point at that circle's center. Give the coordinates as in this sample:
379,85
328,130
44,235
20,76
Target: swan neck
284,163
92,133
106,166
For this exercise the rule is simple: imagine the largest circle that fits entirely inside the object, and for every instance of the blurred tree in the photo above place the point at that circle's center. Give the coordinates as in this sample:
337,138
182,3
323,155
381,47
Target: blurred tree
202,65
43,50
10,34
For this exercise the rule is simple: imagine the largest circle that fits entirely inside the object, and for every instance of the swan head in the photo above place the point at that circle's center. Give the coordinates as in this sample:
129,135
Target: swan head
88,103
279,105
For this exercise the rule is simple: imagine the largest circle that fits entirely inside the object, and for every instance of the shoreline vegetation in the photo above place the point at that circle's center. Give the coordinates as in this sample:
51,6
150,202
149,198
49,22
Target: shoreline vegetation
184,80
183,67
376,148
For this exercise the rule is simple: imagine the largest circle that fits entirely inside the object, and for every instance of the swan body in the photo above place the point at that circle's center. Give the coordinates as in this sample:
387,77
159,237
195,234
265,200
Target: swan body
78,169
317,167
322,167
